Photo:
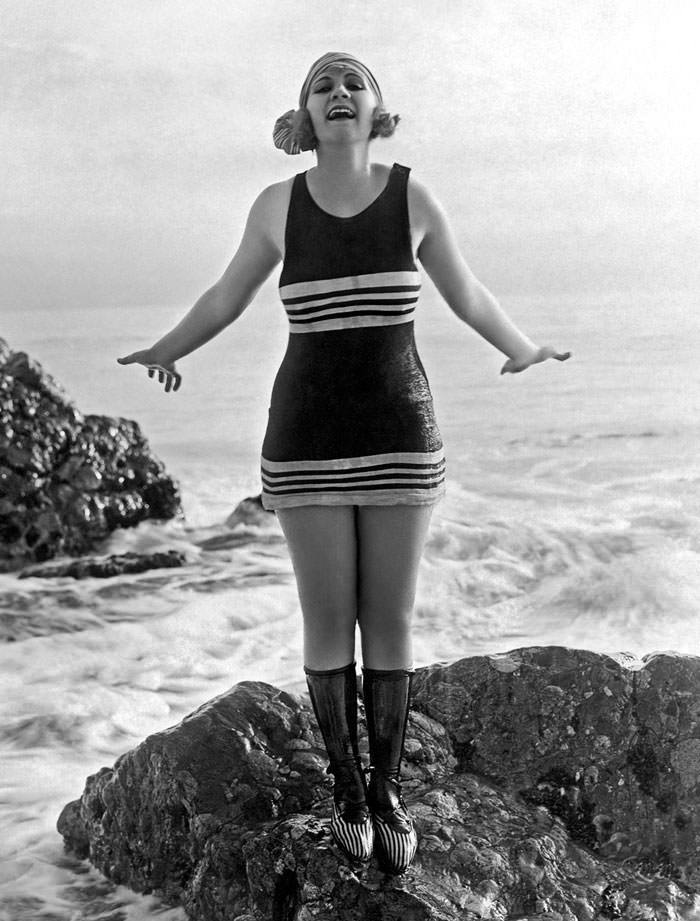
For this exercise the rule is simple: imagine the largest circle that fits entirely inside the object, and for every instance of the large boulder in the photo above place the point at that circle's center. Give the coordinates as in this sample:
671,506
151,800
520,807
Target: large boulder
68,480
545,783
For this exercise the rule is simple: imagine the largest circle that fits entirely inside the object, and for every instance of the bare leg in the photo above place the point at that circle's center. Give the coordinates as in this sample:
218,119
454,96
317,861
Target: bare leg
390,544
322,543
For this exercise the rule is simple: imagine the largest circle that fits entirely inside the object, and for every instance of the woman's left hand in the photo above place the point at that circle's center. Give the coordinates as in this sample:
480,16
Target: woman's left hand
514,365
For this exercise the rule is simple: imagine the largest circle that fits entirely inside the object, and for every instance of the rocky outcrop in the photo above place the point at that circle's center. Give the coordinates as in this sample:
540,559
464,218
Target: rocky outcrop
68,480
545,783
117,564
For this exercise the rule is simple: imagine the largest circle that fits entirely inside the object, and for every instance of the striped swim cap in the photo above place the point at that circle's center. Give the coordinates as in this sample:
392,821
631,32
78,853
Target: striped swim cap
338,59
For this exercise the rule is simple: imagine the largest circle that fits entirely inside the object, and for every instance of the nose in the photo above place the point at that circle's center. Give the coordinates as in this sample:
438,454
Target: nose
340,91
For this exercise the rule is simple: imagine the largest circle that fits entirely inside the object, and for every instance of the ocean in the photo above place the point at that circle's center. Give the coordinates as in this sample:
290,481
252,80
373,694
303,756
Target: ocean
572,517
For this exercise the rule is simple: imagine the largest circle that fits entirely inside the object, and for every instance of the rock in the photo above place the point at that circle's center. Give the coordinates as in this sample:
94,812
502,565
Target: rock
68,480
106,567
248,519
614,753
561,787
249,511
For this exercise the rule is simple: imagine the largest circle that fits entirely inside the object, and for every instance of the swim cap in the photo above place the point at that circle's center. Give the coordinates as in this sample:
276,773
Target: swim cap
338,59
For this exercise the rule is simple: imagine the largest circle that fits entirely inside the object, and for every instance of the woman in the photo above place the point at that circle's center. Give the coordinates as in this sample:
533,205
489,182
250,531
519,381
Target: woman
352,459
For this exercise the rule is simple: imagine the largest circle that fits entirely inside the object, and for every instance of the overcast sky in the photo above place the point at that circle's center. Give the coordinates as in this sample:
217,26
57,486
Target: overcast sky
562,137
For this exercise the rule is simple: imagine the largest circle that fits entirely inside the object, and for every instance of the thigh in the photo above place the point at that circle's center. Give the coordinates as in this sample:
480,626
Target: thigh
390,545
322,543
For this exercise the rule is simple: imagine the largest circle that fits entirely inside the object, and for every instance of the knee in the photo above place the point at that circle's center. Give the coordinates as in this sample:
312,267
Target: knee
329,638
331,618
386,621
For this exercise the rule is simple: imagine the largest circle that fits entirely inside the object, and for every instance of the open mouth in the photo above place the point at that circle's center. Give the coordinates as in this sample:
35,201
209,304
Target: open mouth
340,112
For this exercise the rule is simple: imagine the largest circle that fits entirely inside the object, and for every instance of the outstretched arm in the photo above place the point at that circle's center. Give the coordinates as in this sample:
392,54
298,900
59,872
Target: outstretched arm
224,302
470,300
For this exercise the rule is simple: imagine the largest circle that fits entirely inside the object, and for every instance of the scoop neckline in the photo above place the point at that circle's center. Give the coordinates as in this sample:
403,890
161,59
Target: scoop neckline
349,217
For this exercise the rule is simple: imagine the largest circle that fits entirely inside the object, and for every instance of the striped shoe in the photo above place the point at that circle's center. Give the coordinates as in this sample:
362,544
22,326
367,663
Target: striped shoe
396,841
352,831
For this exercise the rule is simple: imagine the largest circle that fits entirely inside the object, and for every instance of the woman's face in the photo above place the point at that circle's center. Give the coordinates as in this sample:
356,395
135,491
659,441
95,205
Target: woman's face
341,106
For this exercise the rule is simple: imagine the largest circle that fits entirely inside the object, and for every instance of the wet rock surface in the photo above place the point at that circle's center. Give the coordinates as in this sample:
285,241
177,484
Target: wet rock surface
117,564
67,480
545,783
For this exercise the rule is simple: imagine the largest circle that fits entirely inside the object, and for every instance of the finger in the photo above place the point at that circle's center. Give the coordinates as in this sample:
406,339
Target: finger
550,352
178,381
161,376
131,358
151,372
511,368
168,383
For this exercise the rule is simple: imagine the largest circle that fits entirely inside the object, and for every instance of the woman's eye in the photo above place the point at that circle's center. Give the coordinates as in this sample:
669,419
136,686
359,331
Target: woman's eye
351,85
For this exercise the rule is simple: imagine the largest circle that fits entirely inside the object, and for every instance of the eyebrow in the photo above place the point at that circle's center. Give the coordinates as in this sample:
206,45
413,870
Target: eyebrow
348,73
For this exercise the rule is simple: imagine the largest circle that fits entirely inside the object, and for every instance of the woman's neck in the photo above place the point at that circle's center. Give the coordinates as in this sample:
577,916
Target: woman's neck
341,167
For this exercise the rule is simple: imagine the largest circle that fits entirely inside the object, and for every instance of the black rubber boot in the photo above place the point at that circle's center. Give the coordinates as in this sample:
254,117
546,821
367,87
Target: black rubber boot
334,699
387,695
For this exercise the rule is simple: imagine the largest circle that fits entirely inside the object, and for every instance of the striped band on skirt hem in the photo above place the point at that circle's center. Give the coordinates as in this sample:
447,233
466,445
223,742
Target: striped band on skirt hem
411,478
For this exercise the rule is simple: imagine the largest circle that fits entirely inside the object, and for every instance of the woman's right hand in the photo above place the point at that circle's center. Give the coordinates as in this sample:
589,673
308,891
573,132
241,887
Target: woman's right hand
166,370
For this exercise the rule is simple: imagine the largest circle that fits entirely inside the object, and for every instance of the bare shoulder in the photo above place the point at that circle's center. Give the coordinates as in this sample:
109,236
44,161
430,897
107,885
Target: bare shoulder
422,202
268,215
272,201
426,214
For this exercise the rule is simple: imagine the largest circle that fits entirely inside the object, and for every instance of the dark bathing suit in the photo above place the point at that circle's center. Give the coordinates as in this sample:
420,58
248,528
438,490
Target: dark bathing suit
351,417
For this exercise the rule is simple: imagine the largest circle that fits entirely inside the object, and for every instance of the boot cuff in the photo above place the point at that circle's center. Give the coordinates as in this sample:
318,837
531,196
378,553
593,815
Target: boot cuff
328,672
388,674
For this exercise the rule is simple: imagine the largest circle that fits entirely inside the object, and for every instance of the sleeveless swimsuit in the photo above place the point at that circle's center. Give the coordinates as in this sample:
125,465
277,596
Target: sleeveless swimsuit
351,418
